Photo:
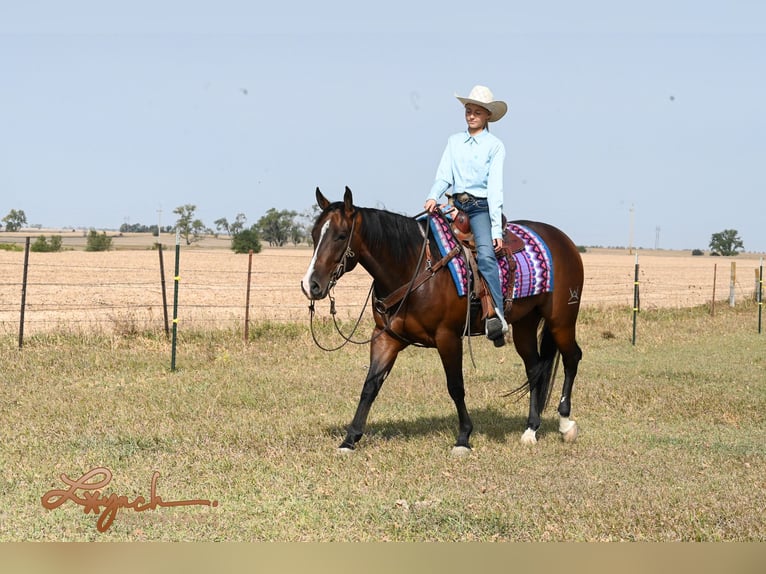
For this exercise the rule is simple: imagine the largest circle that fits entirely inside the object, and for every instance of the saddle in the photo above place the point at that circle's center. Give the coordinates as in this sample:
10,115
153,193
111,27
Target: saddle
512,243
479,293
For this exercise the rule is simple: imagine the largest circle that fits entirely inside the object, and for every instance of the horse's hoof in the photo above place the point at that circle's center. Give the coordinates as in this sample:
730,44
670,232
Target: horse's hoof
569,434
529,437
460,451
344,451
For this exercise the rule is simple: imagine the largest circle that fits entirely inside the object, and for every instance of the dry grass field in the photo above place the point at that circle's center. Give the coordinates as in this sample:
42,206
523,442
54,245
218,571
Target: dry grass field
121,290
672,428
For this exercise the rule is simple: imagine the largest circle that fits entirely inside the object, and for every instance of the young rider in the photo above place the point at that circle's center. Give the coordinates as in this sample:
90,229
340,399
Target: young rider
472,167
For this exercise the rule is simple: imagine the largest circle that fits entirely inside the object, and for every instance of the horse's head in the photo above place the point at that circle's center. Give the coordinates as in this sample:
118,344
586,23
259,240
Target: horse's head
334,234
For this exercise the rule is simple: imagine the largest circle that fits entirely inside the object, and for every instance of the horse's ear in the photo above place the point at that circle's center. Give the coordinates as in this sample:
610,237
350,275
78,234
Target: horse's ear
348,200
322,201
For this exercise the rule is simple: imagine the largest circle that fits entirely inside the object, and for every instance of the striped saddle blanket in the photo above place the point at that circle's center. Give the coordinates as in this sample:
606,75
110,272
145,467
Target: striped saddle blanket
534,266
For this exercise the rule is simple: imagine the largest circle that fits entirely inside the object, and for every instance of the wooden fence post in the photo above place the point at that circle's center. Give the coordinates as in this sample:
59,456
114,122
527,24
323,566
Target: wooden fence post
636,300
24,293
247,296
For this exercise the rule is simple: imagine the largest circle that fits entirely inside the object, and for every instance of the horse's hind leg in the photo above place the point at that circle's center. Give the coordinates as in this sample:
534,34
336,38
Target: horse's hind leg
525,341
383,353
571,354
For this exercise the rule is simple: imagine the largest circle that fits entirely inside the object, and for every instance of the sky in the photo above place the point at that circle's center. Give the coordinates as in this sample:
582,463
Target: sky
630,123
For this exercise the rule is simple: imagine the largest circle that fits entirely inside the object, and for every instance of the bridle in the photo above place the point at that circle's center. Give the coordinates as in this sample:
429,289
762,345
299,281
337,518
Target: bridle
340,268
338,272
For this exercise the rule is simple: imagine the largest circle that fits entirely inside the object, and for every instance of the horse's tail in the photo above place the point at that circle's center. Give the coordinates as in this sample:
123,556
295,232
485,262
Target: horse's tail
541,376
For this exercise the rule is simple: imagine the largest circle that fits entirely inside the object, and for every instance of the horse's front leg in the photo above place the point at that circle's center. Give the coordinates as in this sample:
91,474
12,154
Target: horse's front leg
383,352
450,349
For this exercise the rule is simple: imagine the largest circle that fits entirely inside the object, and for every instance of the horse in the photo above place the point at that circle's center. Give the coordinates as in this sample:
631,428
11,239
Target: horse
390,247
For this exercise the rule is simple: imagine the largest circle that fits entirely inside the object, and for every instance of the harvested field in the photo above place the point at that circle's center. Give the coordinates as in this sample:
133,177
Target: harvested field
121,290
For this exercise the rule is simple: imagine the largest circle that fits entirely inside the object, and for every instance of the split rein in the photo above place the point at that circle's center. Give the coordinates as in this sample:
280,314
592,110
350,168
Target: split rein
340,269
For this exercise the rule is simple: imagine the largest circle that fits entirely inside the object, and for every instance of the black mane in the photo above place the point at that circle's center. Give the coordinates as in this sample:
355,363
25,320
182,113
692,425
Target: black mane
400,235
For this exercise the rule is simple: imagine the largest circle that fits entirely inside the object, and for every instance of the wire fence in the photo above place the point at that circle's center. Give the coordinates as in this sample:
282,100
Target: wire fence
122,291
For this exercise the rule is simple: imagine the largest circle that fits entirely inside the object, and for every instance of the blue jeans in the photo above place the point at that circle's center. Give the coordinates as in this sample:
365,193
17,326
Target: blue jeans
477,211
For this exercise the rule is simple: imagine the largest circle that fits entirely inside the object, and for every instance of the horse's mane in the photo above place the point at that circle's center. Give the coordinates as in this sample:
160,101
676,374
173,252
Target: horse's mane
399,235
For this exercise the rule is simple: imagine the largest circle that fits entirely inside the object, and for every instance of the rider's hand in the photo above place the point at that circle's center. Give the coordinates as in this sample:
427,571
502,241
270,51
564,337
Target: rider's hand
430,205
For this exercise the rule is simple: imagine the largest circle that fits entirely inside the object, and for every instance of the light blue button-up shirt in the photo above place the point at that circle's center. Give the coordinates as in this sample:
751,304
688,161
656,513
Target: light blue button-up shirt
474,164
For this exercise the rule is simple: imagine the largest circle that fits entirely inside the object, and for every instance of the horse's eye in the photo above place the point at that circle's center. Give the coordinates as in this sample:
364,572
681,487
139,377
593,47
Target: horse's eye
341,237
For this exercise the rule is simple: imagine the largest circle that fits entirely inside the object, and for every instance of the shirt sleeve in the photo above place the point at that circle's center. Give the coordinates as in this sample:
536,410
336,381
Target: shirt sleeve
444,178
495,190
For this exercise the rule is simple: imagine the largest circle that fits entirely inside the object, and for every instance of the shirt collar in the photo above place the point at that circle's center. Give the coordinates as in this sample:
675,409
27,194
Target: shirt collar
477,138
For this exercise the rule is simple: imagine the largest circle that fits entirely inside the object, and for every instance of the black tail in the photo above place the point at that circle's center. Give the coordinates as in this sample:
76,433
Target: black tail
542,375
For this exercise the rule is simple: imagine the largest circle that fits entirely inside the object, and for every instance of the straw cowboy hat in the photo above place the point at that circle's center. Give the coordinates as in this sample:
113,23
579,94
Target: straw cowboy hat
482,96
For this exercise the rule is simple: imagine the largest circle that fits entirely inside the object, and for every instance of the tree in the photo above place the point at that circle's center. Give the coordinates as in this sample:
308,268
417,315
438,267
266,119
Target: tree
726,242
43,245
245,240
238,225
297,234
98,241
223,224
306,221
15,220
276,226
189,228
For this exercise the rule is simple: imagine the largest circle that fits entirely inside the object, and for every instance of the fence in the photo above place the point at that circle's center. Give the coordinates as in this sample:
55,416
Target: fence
121,291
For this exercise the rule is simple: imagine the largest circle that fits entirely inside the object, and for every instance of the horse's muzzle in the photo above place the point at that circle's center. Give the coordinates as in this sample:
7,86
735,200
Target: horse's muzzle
313,291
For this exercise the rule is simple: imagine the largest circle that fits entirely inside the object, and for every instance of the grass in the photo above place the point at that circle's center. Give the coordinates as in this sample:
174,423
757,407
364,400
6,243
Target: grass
672,443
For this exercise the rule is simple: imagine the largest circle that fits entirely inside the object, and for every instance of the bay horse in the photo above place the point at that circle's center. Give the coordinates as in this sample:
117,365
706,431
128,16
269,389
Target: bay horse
389,246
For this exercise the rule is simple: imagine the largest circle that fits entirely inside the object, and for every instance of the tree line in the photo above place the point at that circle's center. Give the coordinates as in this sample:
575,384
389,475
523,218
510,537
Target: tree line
275,227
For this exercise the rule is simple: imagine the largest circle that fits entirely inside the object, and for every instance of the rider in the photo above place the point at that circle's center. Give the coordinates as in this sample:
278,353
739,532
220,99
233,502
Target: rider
472,165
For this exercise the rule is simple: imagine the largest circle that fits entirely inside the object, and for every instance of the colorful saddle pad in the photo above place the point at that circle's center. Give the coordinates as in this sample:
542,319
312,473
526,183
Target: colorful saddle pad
446,240
534,266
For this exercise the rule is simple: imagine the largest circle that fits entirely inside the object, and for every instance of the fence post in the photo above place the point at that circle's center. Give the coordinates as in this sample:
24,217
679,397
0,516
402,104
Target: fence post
164,291
760,294
24,293
732,281
176,278
247,297
636,300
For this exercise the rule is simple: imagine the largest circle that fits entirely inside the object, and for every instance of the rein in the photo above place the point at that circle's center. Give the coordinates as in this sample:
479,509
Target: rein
333,312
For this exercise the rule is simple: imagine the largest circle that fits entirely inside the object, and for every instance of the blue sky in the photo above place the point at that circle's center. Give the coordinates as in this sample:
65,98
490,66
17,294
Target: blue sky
112,111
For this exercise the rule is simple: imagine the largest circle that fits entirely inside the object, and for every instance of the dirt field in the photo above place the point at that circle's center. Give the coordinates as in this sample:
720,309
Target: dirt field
121,290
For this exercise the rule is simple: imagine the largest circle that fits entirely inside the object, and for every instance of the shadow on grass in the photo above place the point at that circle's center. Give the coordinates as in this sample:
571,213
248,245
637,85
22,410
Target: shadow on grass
490,422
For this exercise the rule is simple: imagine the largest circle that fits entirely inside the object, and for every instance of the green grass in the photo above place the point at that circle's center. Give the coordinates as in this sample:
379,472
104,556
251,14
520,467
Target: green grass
672,441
